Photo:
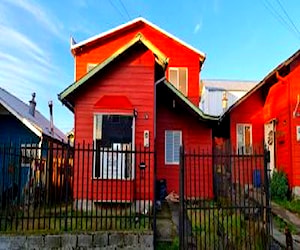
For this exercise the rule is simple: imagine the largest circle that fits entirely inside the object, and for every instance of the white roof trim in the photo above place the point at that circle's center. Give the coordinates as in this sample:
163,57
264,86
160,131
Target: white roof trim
28,124
74,46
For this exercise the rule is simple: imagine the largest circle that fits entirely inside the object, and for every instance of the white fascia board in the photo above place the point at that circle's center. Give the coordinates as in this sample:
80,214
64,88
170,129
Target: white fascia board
28,124
74,46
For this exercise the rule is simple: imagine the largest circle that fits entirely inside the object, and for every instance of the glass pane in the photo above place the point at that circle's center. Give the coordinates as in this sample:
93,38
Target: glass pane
169,147
247,138
98,126
173,78
177,143
183,80
240,137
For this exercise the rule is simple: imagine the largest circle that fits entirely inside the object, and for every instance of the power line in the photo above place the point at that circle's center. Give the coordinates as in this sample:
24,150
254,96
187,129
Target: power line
288,17
124,8
279,17
115,7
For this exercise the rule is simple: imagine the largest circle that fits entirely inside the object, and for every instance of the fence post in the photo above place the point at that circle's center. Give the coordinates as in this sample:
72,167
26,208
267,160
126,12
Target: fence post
154,198
181,200
268,196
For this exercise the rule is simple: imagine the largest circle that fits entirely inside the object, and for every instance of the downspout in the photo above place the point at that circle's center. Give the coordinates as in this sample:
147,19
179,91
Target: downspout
154,118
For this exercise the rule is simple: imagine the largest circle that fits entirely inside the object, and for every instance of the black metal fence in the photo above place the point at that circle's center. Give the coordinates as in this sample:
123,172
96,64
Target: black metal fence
224,200
57,187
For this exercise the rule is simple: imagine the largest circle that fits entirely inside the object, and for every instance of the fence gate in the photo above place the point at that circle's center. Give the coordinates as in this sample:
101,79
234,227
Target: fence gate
224,200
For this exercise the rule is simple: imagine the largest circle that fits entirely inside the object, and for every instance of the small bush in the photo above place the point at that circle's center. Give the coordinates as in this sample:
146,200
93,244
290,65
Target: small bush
279,186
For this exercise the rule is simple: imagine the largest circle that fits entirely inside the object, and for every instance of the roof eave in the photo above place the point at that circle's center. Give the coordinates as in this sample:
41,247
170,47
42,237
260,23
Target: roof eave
33,128
74,46
262,82
199,112
160,58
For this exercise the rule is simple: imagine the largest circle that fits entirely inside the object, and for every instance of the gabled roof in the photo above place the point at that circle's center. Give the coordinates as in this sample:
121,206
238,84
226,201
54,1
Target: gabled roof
272,75
188,103
131,23
139,38
38,124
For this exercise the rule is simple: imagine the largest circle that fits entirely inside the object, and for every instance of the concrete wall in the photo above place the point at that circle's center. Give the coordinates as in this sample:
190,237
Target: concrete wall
99,240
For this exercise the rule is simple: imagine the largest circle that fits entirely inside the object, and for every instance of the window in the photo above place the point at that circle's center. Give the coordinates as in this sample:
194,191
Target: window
29,152
172,146
244,138
90,66
113,144
179,77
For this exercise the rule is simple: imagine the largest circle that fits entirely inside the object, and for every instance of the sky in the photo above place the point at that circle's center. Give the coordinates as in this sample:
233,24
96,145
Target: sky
242,40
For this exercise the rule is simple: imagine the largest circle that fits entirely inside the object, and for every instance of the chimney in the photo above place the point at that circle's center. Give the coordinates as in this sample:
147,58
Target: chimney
224,101
50,104
32,105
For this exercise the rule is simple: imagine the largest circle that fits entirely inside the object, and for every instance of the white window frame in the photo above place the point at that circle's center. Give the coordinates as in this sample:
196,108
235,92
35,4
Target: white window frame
186,80
239,148
172,162
90,66
110,175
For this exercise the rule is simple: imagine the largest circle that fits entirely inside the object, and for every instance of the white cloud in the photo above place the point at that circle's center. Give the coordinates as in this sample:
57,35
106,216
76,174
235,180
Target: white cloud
48,21
197,27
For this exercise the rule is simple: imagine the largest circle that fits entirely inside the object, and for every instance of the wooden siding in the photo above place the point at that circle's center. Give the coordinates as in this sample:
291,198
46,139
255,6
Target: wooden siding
293,81
122,78
179,55
13,131
249,112
278,105
195,135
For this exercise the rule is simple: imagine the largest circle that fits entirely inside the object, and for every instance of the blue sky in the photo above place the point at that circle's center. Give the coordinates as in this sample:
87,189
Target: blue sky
242,40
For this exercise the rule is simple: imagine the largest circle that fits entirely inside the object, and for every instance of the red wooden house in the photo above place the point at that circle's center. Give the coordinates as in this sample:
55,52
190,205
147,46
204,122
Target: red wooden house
147,81
269,115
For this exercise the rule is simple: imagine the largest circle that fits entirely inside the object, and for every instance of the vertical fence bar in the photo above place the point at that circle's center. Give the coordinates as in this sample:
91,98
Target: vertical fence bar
93,205
154,197
77,182
66,181
268,207
100,160
181,197
87,201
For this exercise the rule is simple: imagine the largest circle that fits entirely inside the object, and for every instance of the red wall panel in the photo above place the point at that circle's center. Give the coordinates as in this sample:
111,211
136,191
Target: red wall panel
195,135
180,56
123,78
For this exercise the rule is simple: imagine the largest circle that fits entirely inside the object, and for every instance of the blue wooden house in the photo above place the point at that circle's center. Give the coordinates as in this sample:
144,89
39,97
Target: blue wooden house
25,139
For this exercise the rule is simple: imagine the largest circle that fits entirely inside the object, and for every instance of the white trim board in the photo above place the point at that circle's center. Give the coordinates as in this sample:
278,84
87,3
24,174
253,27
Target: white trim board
139,19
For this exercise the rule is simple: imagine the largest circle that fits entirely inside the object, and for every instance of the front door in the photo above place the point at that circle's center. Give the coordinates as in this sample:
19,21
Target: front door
270,142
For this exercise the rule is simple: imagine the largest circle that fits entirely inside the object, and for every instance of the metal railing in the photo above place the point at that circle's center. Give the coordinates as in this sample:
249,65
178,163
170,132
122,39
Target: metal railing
84,187
224,200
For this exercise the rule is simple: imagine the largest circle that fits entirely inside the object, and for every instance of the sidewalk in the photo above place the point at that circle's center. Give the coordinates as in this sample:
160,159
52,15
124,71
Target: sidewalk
289,217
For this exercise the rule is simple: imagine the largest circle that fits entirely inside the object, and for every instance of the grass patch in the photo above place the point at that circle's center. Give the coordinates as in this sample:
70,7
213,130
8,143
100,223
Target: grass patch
281,224
293,205
66,219
168,245
214,228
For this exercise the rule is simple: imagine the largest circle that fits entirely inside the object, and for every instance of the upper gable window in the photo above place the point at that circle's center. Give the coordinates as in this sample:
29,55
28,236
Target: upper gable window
179,77
90,66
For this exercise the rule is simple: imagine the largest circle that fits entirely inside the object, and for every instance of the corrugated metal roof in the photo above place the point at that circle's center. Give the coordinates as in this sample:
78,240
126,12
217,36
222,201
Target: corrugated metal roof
229,84
212,93
38,123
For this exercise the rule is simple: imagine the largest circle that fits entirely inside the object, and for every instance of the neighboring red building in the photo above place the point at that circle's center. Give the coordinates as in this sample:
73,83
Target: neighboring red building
148,80
270,114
